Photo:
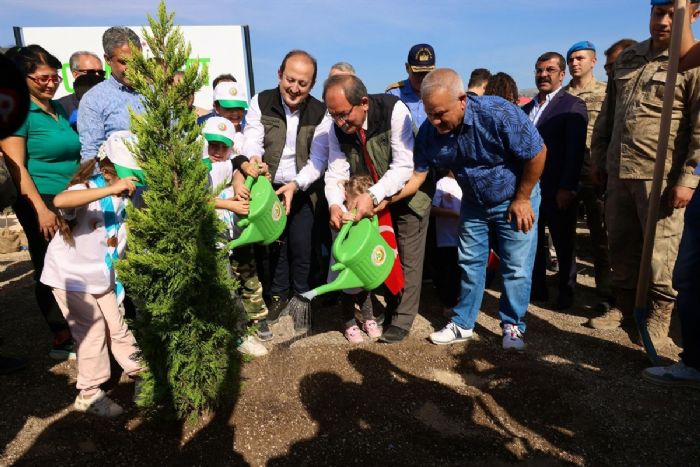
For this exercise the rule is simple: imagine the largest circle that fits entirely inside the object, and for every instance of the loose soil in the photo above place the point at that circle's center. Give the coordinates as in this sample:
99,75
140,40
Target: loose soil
574,397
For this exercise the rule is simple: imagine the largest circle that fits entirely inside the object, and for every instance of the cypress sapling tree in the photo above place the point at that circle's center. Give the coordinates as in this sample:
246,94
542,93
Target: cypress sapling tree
173,269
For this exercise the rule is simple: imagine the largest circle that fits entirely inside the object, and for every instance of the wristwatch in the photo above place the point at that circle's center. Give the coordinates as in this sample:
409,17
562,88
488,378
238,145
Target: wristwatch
375,201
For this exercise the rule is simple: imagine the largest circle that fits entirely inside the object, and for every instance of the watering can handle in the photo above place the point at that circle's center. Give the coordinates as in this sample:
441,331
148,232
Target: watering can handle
342,235
249,182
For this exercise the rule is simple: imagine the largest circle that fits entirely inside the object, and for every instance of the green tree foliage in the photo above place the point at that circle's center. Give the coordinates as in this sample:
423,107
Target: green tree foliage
173,269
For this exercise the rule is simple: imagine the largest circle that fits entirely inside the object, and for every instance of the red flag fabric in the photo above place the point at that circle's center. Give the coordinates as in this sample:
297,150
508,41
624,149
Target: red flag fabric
396,280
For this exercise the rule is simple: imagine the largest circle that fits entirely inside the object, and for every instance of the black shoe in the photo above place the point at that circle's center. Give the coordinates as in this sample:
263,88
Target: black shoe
263,332
11,364
564,302
393,334
277,308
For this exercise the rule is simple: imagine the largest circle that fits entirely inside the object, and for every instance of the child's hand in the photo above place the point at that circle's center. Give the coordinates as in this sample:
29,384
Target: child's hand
348,216
241,207
241,191
124,186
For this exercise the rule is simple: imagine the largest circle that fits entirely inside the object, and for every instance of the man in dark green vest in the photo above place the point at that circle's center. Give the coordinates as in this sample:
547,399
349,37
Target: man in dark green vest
279,129
373,135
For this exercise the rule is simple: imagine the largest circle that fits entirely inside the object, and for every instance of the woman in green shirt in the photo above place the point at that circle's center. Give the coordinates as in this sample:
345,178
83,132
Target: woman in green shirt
42,156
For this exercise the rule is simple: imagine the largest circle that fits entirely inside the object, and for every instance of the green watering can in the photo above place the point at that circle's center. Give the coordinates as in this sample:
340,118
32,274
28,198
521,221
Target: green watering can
363,258
266,218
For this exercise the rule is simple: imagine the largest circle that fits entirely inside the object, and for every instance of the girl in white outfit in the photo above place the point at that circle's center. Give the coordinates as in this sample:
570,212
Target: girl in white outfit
79,266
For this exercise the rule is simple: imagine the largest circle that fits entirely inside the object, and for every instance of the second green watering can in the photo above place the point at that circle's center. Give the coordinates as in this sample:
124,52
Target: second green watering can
266,218
363,258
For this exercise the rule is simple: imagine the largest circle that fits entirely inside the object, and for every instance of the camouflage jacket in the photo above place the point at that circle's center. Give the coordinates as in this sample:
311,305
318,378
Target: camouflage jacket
626,133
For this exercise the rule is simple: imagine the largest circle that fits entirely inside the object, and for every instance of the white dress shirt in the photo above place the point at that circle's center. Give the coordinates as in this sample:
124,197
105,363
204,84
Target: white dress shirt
400,167
254,133
318,155
538,109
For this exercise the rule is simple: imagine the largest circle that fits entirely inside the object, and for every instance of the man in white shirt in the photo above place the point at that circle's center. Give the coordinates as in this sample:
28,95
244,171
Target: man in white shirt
279,130
373,135
561,120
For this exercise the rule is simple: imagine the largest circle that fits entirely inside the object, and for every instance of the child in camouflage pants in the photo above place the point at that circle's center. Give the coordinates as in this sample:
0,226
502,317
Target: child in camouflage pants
219,134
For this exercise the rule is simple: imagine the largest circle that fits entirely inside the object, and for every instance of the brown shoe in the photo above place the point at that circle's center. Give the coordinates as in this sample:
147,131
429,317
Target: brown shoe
612,319
659,321
618,314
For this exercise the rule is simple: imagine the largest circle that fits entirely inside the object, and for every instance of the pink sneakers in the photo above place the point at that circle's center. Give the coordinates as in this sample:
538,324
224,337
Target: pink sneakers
372,328
354,335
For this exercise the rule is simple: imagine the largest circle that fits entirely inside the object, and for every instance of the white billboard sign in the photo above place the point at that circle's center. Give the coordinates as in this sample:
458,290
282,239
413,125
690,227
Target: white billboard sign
222,49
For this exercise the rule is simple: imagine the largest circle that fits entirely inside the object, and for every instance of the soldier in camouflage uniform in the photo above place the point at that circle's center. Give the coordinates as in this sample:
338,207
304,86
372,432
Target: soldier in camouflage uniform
624,145
581,59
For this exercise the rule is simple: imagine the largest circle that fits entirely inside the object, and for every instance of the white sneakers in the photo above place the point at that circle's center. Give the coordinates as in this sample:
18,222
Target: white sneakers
512,338
250,345
451,334
678,374
99,404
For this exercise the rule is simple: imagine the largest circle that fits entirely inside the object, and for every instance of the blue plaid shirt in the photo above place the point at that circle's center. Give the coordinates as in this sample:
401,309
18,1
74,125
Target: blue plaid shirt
486,153
103,110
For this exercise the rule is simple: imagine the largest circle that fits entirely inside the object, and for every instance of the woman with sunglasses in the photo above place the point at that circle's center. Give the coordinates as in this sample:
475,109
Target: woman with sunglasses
42,157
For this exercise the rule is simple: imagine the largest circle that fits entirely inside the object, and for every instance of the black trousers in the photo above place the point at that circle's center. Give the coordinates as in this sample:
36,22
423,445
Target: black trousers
37,251
562,227
289,258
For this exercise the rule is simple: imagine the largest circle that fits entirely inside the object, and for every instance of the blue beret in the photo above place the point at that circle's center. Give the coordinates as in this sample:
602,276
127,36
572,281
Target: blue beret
583,45
668,2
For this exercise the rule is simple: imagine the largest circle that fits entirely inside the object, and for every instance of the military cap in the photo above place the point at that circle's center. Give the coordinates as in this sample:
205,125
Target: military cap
421,58
583,45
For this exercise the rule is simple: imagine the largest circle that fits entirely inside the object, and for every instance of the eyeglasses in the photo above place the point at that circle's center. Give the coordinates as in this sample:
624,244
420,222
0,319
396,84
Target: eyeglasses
337,116
43,80
550,70
91,72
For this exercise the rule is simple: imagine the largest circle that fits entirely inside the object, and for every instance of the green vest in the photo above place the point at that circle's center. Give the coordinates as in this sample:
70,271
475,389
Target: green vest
273,119
378,135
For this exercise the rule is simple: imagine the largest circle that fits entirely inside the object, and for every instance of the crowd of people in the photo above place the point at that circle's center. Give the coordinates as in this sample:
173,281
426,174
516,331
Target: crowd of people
494,172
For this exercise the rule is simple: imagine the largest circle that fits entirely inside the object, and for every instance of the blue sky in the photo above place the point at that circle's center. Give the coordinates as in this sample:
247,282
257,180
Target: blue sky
373,35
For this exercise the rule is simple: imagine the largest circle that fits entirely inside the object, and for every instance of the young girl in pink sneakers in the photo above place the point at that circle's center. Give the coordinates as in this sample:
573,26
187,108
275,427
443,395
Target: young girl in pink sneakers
79,266
360,306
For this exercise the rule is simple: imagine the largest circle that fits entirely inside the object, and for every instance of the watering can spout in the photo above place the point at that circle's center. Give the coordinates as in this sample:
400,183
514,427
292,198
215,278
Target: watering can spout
249,235
345,280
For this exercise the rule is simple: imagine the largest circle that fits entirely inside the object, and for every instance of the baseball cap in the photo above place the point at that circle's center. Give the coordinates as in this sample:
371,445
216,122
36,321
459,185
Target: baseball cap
117,148
219,129
583,45
230,95
421,58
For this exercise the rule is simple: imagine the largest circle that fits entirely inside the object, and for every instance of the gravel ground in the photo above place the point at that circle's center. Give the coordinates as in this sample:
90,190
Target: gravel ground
574,397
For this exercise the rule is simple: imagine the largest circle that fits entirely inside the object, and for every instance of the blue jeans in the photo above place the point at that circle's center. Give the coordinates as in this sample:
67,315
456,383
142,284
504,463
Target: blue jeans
686,280
517,252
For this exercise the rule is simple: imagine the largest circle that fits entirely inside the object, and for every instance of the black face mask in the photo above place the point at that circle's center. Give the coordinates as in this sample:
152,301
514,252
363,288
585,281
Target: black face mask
14,98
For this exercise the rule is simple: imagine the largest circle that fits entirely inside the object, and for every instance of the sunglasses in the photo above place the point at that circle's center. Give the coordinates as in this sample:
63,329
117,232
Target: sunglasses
43,80
90,71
